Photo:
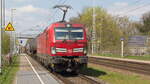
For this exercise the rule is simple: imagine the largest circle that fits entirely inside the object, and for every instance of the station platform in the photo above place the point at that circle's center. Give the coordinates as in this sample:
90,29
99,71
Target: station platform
30,72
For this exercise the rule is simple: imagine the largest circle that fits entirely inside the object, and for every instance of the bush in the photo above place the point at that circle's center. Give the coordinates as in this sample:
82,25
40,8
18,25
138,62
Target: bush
5,43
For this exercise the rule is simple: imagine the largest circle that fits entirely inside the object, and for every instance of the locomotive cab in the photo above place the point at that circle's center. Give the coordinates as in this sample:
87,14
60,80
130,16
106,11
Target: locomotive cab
69,47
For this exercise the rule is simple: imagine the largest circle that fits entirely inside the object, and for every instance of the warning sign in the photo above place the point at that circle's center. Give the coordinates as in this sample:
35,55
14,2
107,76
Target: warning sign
9,27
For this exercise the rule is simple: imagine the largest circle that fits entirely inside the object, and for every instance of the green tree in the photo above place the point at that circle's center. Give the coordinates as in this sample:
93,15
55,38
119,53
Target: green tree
128,27
107,32
145,28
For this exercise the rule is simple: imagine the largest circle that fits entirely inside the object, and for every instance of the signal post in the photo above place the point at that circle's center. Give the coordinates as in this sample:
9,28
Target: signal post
122,47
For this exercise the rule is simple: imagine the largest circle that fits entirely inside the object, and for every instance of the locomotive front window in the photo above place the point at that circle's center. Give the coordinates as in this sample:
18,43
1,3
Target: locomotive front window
69,33
76,33
62,33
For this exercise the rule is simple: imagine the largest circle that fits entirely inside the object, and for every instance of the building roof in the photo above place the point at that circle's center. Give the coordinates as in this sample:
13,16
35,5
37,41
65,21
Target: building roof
138,41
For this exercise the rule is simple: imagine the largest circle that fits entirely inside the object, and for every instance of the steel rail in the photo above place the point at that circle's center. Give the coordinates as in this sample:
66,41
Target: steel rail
68,80
89,79
63,79
141,68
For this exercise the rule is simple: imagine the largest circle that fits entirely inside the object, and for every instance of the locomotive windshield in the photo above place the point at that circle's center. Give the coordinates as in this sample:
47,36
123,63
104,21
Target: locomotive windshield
69,33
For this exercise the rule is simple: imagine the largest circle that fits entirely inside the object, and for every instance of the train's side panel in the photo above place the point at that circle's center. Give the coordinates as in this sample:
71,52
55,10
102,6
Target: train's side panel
49,39
43,46
39,46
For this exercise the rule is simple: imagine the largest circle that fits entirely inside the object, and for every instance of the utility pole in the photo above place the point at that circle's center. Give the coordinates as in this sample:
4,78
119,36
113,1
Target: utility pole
93,30
12,15
1,39
12,45
2,15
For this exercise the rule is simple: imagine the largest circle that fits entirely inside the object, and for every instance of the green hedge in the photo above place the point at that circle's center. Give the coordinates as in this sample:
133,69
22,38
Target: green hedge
9,71
5,43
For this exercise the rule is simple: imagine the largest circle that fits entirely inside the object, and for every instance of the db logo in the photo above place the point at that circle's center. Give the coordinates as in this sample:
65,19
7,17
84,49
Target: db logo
69,51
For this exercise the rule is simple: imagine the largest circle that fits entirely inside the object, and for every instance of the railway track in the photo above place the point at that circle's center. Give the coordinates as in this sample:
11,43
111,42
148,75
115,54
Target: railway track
133,66
79,79
66,78
89,79
76,79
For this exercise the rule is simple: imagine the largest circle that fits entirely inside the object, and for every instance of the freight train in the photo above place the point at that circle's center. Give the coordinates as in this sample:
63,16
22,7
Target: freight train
61,47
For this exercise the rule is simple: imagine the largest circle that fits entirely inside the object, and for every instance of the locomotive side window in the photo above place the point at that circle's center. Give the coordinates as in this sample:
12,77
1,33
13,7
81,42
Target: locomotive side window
69,33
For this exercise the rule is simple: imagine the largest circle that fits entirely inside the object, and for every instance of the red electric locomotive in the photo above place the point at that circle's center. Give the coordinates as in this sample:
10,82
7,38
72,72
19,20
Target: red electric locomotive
63,47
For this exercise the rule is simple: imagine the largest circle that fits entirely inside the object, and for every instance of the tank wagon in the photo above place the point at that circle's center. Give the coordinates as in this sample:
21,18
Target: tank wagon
31,47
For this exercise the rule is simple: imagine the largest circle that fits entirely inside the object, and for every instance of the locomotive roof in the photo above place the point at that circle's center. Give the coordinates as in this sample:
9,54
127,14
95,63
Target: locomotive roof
67,23
60,23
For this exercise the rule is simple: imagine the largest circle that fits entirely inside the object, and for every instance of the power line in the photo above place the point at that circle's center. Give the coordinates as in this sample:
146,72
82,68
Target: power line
64,2
135,2
137,8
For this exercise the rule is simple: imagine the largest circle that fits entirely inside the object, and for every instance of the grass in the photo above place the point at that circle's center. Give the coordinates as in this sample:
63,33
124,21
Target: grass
9,71
146,57
113,77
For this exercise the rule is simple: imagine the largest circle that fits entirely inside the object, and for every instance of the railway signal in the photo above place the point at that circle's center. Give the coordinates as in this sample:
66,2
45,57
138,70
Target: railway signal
21,41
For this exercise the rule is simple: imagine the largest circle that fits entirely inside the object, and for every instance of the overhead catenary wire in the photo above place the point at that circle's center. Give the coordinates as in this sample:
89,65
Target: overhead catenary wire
131,9
54,14
64,1
135,9
135,2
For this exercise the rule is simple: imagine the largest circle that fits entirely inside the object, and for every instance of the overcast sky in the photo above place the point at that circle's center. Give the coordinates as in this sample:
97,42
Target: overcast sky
30,13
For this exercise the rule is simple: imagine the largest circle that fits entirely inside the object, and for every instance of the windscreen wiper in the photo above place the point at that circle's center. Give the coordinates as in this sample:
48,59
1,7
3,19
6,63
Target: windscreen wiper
75,40
64,40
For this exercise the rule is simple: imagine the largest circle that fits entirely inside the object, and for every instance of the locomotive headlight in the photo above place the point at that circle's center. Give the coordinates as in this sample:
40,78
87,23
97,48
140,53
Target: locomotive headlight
68,25
53,50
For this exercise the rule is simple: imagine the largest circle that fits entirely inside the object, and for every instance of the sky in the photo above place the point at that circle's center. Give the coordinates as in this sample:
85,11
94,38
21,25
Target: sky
32,16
